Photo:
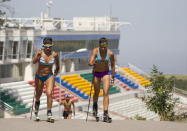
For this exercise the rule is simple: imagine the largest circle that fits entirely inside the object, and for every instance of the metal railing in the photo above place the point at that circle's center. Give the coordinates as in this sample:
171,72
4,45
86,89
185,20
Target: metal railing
180,91
15,57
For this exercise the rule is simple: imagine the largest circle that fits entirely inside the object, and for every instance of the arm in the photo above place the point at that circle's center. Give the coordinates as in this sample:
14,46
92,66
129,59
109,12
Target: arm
56,64
92,57
112,60
37,56
62,102
73,107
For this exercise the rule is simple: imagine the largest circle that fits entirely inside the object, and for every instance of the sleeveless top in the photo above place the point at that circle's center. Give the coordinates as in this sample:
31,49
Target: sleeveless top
101,65
99,59
49,63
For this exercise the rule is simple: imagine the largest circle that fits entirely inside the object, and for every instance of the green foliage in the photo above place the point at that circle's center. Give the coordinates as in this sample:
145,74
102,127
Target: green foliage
137,117
159,98
2,13
3,1
181,84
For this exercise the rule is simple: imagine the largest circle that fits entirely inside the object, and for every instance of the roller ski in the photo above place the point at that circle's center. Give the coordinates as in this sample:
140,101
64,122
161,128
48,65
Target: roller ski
106,118
50,117
37,104
95,112
37,118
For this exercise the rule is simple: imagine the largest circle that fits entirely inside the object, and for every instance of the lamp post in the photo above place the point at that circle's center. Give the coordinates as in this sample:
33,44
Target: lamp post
69,54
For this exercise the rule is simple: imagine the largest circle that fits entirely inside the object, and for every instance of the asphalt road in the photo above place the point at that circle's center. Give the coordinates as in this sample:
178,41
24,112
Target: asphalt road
81,125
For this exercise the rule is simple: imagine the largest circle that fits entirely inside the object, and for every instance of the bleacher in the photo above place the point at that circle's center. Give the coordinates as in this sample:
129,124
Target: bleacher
19,95
77,85
126,81
9,94
89,77
58,93
132,107
137,78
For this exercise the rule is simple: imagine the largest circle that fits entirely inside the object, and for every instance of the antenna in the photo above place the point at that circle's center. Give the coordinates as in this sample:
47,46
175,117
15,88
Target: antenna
110,10
49,5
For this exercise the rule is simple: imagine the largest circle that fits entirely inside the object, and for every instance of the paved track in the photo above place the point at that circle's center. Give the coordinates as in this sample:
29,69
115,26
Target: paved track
81,125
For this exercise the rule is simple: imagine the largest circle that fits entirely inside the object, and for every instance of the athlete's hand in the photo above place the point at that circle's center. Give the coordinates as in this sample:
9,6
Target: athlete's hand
38,53
112,80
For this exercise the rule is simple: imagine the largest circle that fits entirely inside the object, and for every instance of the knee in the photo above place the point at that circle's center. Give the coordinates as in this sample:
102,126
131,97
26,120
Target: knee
49,93
96,92
105,94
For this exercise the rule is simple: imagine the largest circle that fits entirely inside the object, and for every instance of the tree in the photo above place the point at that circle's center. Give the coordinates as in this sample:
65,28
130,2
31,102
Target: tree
160,95
3,1
2,13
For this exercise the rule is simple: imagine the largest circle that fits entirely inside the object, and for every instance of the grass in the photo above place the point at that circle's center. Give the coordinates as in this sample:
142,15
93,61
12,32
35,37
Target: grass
178,77
181,81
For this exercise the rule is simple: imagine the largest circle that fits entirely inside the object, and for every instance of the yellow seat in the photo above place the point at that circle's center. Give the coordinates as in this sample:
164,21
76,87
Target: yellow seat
69,76
76,82
86,89
82,87
82,84
72,79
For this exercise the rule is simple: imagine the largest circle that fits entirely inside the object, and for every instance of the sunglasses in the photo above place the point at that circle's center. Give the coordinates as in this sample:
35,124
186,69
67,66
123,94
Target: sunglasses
104,44
47,45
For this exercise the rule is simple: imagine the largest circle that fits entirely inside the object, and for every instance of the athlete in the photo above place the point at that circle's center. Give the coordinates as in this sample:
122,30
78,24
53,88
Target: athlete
100,59
68,103
45,58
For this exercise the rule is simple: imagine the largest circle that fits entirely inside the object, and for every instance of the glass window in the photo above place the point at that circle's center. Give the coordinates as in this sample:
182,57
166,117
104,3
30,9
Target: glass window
15,49
29,49
1,50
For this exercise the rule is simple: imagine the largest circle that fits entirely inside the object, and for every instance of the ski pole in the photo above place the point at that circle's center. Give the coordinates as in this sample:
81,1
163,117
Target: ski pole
33,103
89,98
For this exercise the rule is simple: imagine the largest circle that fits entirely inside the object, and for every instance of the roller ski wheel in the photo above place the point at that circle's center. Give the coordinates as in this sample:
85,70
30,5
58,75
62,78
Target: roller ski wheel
37,118
97,119
50,119
107,119
96,116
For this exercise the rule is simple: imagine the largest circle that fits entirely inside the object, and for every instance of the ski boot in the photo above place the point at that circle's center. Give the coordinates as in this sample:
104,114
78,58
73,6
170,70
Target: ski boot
106,118
95,111
50,117
37,104
37,118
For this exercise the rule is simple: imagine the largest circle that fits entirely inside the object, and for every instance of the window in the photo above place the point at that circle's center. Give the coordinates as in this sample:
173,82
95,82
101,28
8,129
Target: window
15,49
1,50
29,49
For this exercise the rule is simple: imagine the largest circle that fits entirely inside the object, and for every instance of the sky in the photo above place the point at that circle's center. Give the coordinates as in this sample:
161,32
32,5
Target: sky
157,34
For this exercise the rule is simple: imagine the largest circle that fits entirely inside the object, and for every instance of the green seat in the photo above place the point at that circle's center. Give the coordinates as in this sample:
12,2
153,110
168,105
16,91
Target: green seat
15,103
21,111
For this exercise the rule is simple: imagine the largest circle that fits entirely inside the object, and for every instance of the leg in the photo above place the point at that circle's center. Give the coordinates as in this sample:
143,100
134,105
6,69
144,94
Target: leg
65,114
49,92
106,87
96,88
96,94
39,89
69,115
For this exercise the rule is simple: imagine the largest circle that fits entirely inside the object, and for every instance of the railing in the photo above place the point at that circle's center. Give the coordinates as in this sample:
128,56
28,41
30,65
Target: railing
5,106
92,24
180,91
14,57
138,70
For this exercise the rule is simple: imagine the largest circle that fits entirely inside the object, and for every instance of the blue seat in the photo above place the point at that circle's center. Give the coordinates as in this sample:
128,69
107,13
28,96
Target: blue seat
77,91
73,88
69,86
85,97
57,79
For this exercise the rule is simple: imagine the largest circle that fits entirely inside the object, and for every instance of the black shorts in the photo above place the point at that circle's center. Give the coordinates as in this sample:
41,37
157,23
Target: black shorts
66,113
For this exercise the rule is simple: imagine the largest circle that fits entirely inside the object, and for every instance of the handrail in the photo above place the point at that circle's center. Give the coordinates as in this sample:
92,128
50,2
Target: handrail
180,91
7,106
